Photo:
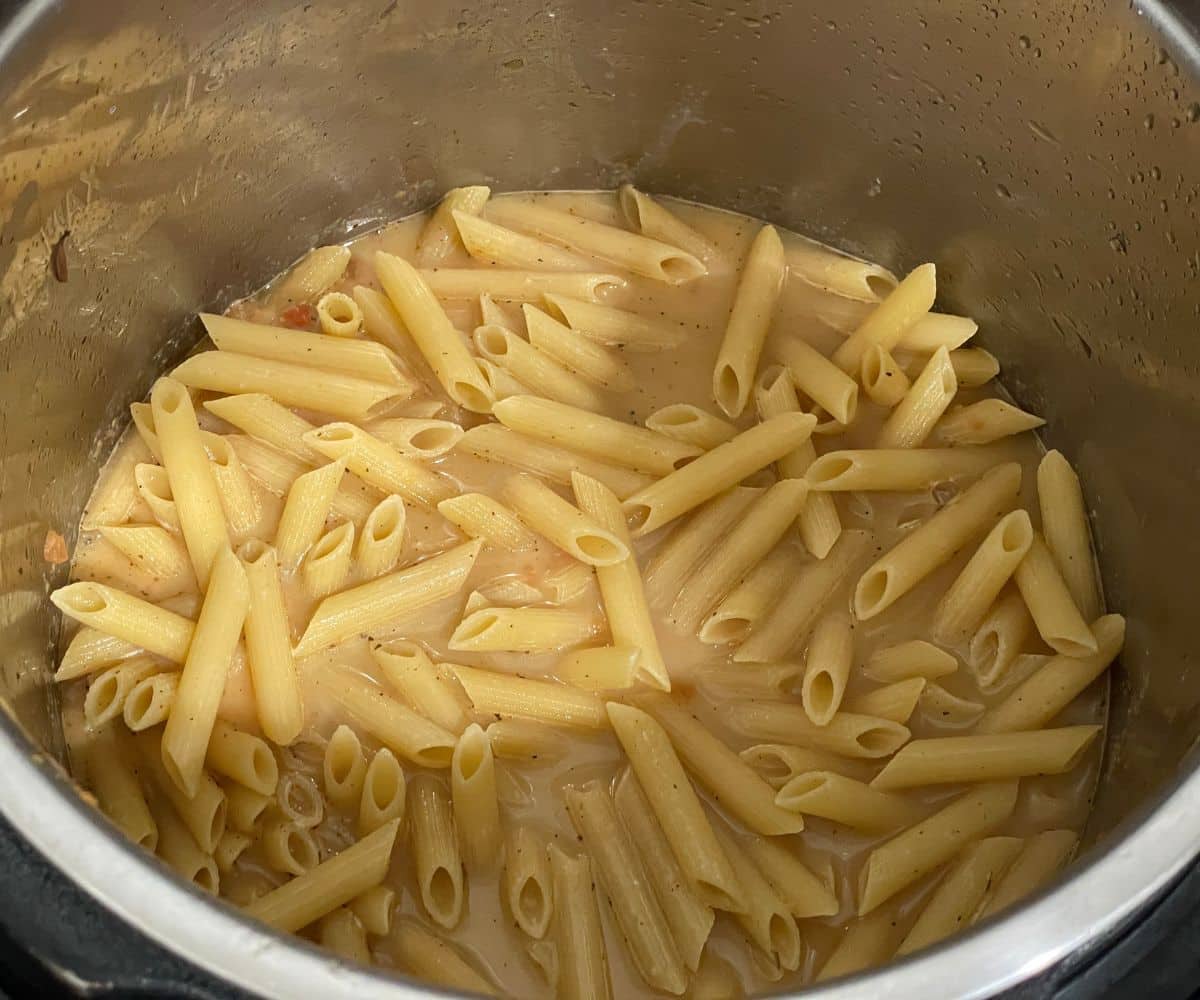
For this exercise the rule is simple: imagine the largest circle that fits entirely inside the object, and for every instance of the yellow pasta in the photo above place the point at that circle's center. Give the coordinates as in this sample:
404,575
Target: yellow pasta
242,757
895,702
526,881
506,695
847,802
380,465
326,567
846,733
891,319
985,422
343,768
574,531
915,658
1050,603
431,689
436,856
489,242
1041,856
339,315
473,791
1065,526
518,286
883,380
999,640
578,934
613,327
805,893
819,379
479,516
600,668
575,351
427,955
650,218
751,600
440,235
522,630
532,367
382,539
914,417
384,793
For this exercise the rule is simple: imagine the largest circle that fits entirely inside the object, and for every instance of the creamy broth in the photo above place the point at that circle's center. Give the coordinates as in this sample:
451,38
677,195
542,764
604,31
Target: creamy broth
533,793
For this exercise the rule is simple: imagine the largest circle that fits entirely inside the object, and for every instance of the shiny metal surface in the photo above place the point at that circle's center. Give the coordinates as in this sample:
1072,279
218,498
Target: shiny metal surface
1043,153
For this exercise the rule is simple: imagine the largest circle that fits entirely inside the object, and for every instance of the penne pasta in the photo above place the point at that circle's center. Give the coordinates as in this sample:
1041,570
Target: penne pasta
518,286
245,808
827,667
440,235
342,933
494,244
533,367
889,321
783,628
305,512
984,422
427,955
541,458
327,566
436,858
473,790
731,780
507,695
630,251
382,538
1038,699
202,813
964,606
921,848
612,327
895,702
867,941
1042,855
936,540
118,791
838,273
846,734
154,549
675,803
847,802
578,934
575,351
230,848
331,884
384,793
363,359
750,601
754,303
258,415
278,472
360,608
600,668
716,471
108,691
313,274
748,680
1050,603
883,380
92,650
178,849
242,757
525,740
691,425
345,396
819,379
432,690
417,437
380,465
896,469
521,630
804,893
339,315
374,909
479,516
914,417
998,641
288,848
126,618
189,728
574,531
915,658
652,219
1065,527
343,768
526,881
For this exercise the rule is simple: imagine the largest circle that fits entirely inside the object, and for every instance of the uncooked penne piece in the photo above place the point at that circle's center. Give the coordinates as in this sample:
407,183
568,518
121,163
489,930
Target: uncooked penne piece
440,235
804,893
933,544
964,606
754,303
186,737
676,558
762,525
631,251
731,780
379,464
431,689
473,790
242,757
677,806
439,343
343,768
921,848
984,422
994,757
518,286
827,669
623,878
523,630
382,538
533,367
349,612
748,602
572,349
436,857
1065,526
785,625
999,640
613,327
1039,698
384,793
431,958
602,437
914,658
620,584
396,726
819,379
1041,856
955,901
500,694
312,274
574,531
846,734
335,393
883,380
338,315
331,884
1050,603
716,471
150,701
847,802
362,359
578,933
495,244
498,444
896,469
525,880
327,566
914,417
141,624
889,321
895,702
193,487
479,516
269,646
652,219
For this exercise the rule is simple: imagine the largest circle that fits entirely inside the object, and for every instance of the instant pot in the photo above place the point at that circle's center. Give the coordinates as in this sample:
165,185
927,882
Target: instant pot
157,158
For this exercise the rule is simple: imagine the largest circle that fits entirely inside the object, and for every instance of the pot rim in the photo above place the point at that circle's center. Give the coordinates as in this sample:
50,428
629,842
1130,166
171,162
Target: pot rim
1142,859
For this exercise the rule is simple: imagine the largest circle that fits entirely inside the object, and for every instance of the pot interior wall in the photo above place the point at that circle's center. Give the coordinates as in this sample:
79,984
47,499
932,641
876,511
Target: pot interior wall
1043,154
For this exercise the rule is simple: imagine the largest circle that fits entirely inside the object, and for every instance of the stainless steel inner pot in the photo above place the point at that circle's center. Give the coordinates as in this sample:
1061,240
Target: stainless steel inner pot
1043,152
